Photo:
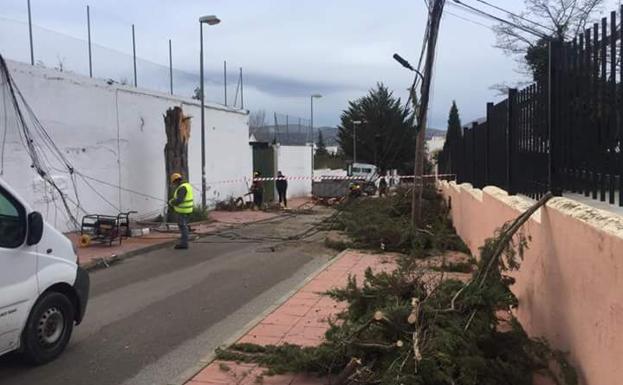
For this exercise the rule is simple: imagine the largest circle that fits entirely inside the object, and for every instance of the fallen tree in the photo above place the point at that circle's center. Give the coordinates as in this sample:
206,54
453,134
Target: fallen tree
401,329
385,224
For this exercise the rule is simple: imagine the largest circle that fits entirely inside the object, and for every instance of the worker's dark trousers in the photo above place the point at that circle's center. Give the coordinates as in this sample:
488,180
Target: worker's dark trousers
258,199
282,197
182,222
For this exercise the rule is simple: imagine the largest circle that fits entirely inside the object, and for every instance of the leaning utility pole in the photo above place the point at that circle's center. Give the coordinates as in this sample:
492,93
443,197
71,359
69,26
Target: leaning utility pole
434,17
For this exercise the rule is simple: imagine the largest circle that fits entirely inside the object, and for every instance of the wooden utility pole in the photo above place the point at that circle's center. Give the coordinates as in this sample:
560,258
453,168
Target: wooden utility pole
434,16
177,128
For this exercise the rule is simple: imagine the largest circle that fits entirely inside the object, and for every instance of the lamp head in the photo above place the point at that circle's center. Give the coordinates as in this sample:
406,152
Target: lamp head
403,62
209,20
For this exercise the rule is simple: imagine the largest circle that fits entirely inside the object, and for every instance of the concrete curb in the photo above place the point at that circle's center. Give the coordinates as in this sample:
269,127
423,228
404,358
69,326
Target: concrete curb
103,262
203,362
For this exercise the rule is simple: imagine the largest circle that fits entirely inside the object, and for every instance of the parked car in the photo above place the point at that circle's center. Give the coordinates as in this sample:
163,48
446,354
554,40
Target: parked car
43,290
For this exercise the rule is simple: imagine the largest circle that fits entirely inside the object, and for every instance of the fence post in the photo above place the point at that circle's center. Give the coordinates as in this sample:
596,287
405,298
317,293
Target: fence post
488,127
89,41
511,124
464,172
225,80
134,55
170,67
553,118
241,91
473,163
32,50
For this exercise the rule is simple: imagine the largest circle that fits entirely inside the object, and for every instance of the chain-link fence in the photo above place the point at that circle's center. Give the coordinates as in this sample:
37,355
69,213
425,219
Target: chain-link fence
122,64
291,130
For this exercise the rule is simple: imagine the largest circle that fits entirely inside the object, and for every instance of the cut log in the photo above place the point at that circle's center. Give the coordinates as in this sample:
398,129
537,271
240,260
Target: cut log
177,130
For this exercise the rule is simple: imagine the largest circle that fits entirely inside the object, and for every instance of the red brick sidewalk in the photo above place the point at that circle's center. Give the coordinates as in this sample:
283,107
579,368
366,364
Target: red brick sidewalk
301,320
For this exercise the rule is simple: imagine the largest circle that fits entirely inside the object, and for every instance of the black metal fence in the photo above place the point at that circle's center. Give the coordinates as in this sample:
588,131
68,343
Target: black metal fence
561,134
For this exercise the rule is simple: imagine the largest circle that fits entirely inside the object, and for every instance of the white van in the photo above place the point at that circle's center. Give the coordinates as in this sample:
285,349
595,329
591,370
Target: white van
43,291
365,171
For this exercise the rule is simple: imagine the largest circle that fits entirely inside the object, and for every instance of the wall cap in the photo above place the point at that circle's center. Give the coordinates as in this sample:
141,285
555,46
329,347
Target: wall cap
599,219
81,80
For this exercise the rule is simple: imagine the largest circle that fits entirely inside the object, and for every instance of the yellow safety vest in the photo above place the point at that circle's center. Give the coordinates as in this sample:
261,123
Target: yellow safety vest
186,207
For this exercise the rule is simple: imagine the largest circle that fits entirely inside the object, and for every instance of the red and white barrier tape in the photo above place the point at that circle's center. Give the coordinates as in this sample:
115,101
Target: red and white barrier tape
320,178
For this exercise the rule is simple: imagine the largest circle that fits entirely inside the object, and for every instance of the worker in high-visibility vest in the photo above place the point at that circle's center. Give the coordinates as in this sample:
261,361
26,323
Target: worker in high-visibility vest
182,203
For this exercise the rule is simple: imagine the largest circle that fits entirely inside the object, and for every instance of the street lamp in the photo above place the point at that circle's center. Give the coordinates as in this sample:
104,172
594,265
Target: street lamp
209,20
311,98
406,64
355,124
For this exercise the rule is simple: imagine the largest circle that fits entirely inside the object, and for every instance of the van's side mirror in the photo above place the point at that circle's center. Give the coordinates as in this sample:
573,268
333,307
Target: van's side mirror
35,228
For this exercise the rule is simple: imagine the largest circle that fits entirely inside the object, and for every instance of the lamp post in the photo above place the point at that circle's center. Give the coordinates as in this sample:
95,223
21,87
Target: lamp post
355,124
209,20
311,98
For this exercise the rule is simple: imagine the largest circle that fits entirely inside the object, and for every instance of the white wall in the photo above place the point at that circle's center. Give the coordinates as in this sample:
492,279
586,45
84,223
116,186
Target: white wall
295,161
116,134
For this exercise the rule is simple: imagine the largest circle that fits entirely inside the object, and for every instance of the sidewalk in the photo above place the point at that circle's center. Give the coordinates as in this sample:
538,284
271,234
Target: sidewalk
300,320
96,254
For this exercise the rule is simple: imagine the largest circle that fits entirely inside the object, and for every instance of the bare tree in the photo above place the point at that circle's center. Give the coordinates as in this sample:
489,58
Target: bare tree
257,119
197,93
61,63
552,19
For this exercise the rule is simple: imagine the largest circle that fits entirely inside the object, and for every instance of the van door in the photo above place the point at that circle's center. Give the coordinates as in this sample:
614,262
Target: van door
18,271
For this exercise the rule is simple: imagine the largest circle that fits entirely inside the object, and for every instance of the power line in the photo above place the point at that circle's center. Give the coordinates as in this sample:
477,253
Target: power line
120,187
480,12
515,15
469,20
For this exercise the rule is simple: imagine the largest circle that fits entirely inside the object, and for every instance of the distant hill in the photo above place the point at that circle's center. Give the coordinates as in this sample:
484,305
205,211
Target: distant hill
430,132
292,136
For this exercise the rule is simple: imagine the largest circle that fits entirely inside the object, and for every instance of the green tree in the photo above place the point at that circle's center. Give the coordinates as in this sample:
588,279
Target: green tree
321,148
454,122
385,137
452,135
197,93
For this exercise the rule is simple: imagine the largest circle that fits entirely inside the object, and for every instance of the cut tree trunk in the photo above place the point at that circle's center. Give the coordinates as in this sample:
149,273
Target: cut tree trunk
177,129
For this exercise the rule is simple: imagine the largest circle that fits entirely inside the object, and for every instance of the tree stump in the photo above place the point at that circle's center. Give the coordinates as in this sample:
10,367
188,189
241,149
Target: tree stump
177,129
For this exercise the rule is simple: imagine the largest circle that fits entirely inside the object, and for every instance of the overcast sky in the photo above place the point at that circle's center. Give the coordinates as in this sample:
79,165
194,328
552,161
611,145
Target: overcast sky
288,49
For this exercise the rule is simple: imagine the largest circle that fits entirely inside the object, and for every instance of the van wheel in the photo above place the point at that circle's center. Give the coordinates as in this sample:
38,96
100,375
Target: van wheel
48,329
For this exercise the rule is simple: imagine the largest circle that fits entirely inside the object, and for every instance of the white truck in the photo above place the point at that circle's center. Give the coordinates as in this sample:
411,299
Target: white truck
43,290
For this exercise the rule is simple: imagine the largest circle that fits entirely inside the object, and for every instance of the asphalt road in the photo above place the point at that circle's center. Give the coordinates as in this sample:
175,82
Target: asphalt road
152,317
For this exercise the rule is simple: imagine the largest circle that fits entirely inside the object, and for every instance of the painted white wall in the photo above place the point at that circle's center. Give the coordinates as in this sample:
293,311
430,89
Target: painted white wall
295,161
116,134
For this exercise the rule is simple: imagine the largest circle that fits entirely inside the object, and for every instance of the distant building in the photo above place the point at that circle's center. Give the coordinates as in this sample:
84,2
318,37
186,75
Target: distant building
435,144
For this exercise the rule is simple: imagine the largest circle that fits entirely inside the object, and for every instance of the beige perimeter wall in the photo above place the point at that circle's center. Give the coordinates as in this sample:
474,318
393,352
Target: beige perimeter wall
570,285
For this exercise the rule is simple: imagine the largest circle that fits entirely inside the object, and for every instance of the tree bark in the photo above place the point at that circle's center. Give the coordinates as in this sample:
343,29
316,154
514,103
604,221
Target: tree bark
177,129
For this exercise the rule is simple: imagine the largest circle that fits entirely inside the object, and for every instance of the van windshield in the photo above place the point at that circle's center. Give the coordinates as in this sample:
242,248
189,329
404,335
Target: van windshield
12,221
